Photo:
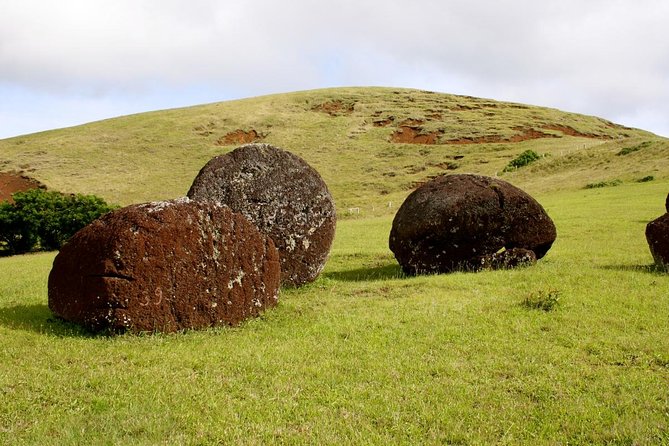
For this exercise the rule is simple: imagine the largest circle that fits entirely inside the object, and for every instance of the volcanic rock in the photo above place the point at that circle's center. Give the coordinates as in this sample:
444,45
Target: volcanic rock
509,258
284,196
657,235
469,222
164,266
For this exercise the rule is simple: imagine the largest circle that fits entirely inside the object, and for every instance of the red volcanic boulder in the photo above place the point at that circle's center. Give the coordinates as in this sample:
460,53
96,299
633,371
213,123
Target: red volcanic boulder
284,196
164,266
469,222
657,235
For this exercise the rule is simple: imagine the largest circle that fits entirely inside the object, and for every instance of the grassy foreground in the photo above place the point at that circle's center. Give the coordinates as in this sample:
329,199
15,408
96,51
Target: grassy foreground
366,356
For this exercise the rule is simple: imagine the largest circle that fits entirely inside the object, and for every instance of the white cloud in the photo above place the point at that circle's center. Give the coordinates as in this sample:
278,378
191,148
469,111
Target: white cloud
609,58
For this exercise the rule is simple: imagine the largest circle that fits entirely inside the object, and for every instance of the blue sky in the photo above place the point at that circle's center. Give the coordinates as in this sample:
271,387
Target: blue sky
75,61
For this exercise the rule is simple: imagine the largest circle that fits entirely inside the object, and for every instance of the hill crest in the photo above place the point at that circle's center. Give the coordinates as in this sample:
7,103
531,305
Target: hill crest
371,145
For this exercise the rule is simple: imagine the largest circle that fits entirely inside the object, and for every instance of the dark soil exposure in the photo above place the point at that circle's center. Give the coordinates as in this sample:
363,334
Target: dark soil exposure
666,203
469,222
11,182
384,122
240,137
334,108
573,132
164,266
284,196
414,135
657,235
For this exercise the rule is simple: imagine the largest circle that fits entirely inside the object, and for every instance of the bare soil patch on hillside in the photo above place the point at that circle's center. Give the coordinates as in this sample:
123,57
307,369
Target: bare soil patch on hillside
414,135
240,136
12,182
335,108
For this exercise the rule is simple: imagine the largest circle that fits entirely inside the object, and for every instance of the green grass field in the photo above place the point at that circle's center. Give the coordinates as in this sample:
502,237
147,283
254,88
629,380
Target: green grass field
367,356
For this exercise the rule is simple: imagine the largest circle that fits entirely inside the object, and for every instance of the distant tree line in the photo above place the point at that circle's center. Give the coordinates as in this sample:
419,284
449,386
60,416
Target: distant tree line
45,220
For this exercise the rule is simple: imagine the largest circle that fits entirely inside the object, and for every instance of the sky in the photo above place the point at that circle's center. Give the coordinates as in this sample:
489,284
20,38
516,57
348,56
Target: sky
69,62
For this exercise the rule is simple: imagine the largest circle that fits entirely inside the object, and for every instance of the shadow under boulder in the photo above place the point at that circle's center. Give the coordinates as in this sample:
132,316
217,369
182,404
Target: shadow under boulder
469,222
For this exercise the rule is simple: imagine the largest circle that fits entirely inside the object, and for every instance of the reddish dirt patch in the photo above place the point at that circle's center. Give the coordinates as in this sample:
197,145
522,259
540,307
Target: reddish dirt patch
525,134
335,108
11,182
240,137
573,132
414,135
411,122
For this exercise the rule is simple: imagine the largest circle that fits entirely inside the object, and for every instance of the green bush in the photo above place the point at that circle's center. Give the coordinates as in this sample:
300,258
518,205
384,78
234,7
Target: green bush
599,184
45,220
525,158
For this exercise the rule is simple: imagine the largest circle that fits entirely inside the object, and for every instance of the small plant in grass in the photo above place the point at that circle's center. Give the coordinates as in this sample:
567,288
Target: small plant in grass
599,184
545,300
645,179
525,158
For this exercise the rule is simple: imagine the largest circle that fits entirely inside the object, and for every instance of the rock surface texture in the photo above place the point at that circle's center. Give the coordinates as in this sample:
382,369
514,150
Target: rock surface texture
164,266
657,235
469,222
284,196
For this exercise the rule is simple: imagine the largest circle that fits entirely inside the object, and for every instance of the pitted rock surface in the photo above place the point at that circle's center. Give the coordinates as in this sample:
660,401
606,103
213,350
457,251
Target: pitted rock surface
509,258
657,235
284,196
468,222
165,266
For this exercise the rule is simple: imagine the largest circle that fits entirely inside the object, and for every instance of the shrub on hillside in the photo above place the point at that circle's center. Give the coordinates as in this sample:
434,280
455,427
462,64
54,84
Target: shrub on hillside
45,219
599,184
627,150
525,158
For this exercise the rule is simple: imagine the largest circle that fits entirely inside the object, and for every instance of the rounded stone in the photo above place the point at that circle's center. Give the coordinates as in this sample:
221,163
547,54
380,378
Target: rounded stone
284,196
164,266
465,222
657,235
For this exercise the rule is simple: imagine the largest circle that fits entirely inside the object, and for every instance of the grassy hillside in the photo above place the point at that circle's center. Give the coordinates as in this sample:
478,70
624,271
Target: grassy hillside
372,145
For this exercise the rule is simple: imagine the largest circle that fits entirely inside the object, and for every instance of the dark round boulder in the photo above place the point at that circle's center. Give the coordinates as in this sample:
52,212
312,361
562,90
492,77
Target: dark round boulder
164,266
666,203
657,235
466,222
284,196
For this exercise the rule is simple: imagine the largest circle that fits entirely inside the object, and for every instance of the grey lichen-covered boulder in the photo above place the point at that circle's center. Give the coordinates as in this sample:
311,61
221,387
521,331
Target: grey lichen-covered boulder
284,196
657,235
164,266
469,222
